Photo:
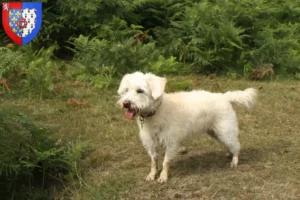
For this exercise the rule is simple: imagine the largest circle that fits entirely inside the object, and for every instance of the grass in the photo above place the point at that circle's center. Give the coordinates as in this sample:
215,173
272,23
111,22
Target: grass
116,164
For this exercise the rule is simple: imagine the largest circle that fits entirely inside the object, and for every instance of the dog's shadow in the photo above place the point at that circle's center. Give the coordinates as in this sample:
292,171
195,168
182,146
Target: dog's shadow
217,160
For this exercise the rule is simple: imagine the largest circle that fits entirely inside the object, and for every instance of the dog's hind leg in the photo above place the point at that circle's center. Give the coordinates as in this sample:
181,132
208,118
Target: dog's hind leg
233,147
228,135
212,134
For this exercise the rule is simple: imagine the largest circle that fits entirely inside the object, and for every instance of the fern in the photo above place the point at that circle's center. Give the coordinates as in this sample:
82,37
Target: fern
32,70
28,149
204,36
94,56
164,66
11,61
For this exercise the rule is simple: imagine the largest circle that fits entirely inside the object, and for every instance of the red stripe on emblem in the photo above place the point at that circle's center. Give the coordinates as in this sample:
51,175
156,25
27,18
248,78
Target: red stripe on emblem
5,20
14,5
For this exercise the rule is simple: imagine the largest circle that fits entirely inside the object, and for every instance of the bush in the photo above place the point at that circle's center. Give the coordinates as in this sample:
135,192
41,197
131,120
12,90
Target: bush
29,156
109,38
204,37
99,61
164,66
30,70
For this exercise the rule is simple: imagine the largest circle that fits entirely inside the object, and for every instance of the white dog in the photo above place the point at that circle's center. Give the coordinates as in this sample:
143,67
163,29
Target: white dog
168,119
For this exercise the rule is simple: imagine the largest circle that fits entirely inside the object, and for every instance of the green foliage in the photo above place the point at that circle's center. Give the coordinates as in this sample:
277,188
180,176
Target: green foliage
279,45
11,61
30,156
40,71
206,36
95,53
163,65
34,71
103,39
99,60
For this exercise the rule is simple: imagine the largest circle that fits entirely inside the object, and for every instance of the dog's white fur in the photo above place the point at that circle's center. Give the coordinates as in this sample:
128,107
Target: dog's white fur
181,115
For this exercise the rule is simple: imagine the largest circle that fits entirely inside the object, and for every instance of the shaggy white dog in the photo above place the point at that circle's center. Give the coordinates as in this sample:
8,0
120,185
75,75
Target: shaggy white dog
168,119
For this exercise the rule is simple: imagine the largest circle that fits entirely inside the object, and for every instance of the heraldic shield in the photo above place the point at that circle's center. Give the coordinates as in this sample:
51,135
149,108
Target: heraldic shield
22,20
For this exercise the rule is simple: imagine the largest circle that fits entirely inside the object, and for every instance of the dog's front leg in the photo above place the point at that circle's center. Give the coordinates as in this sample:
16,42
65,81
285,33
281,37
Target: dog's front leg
171,152
150,145
153,171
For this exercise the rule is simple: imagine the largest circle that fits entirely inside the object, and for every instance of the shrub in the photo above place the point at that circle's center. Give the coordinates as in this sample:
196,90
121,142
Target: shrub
34,71
99,61
29,156
207,36
164,66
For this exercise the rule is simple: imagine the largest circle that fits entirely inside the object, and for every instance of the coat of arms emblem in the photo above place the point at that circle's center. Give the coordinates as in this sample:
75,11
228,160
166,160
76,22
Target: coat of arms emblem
22,20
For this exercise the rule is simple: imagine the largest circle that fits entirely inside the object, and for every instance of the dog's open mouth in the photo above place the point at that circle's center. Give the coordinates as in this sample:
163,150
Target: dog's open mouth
130,113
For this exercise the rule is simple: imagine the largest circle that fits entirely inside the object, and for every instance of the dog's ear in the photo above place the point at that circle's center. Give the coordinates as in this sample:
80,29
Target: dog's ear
157,85
121,86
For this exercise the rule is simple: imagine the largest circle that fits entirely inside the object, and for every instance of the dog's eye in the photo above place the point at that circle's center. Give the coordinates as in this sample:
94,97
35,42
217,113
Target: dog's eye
140,91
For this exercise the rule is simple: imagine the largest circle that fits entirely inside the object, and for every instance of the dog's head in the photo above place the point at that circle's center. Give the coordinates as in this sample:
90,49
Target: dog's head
139,93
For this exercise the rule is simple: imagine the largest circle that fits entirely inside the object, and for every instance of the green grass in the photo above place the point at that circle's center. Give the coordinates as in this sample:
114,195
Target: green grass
116,164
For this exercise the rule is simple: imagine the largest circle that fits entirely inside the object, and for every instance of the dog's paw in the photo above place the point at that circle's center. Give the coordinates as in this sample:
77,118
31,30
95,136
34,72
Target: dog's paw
233,165
150,177
234,162
162,179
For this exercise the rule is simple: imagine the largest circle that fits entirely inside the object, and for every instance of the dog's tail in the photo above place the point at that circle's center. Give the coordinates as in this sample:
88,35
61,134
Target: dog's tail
245,98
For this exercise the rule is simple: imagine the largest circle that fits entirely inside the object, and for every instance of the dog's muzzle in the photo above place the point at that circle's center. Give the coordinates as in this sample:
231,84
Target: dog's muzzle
130,112
126,104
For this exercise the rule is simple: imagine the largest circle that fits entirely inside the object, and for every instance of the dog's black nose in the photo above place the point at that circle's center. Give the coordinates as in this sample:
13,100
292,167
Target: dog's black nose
126,104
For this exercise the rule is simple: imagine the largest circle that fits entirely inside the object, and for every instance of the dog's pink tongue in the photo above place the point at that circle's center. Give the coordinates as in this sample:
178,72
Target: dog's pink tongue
129,114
